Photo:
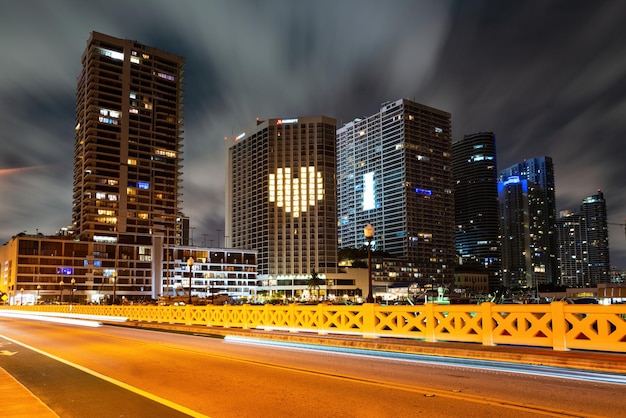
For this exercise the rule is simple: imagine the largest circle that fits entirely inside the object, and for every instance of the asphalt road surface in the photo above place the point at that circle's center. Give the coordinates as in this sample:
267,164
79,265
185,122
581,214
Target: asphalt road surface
121,372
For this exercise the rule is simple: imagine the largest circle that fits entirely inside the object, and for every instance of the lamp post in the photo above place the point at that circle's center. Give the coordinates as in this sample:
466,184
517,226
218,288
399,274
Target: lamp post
61,293
73,282
114,286
190,264
38,289
21,296
369,234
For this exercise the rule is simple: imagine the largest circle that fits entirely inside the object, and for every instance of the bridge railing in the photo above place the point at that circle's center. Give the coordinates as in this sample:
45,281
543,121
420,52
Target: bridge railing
558,325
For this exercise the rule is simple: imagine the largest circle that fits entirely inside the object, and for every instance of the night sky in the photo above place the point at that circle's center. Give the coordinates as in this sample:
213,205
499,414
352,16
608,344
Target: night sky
547,77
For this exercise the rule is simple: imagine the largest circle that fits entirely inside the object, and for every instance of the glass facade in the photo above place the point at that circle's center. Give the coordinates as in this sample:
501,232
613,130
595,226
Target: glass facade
394,170
477,220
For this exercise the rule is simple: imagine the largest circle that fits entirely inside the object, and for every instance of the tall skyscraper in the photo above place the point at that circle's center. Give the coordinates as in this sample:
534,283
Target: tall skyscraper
528,223
128,140
594,211
281,197
584,244
477,219
395,172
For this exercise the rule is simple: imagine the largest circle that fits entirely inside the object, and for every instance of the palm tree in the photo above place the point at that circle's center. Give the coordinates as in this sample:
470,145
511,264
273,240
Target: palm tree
315,283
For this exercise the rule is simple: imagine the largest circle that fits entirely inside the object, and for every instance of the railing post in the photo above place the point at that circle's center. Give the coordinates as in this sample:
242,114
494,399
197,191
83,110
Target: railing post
188,314
368,310
321,318
559,326
487,322
429,311
245,315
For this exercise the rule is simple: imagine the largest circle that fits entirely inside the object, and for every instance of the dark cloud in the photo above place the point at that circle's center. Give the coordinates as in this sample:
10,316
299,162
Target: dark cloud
545,76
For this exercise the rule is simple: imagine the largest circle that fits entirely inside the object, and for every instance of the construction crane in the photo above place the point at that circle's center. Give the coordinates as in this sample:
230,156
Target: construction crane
624,225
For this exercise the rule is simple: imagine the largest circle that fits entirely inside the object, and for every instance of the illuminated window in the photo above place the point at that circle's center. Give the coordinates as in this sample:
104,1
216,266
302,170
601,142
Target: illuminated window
131,161
165,153
111,54
166,76
295,195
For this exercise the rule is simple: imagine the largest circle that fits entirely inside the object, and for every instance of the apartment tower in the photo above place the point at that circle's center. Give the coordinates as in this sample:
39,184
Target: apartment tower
584,244
528,223
281,197
395,172
477,219
128,140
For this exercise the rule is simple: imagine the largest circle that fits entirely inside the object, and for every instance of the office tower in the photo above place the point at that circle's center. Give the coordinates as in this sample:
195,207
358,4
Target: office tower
528,223
584,244
573,249
593,209
395,172
477,219
281,197
128,140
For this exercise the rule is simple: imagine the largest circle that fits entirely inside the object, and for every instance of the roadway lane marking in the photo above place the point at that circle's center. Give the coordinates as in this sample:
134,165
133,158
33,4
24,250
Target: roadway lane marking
425,391
116,382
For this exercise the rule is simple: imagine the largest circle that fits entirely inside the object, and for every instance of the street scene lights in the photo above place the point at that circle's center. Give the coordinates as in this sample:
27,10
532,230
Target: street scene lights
61,293
190,264
369,234
114,286
38,290
73,282
22,296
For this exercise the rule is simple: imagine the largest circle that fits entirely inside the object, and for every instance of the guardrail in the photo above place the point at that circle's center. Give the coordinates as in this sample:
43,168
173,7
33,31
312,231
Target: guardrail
558,325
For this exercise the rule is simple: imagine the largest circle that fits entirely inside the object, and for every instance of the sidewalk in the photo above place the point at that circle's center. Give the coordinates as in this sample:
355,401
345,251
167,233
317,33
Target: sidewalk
19,402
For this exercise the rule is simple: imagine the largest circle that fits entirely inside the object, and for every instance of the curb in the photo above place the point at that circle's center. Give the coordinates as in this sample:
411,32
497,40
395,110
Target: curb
578,359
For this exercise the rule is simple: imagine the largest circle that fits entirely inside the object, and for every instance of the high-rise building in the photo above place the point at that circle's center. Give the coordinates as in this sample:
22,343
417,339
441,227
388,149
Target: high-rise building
128,140
528,223
395,172
477,219
281,198
594,211
584,244
130,240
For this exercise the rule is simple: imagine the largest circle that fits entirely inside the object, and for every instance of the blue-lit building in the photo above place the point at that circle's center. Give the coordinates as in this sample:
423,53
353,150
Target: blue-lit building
477,220
528,223
394,170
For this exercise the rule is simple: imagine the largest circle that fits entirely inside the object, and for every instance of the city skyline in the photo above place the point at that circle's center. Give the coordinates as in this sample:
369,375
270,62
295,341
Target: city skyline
545,77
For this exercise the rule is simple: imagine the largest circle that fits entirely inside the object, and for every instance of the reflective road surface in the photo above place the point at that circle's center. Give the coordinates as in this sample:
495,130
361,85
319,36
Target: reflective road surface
106,371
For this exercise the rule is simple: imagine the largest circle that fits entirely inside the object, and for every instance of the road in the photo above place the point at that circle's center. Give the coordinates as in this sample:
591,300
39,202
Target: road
113,371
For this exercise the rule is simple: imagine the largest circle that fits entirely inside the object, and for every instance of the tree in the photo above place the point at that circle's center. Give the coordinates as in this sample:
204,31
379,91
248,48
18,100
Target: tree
315,283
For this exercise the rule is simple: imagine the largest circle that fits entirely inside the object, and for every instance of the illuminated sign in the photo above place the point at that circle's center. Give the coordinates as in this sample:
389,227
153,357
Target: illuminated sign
369,191
241,135
285,121
424,191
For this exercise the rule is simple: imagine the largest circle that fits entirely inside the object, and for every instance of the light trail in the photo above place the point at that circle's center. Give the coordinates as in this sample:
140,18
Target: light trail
506,367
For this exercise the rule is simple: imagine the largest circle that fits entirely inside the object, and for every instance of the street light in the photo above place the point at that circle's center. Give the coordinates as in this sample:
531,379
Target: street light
38,289
114,286
73,281
61,294
21,296
369,234
190,264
